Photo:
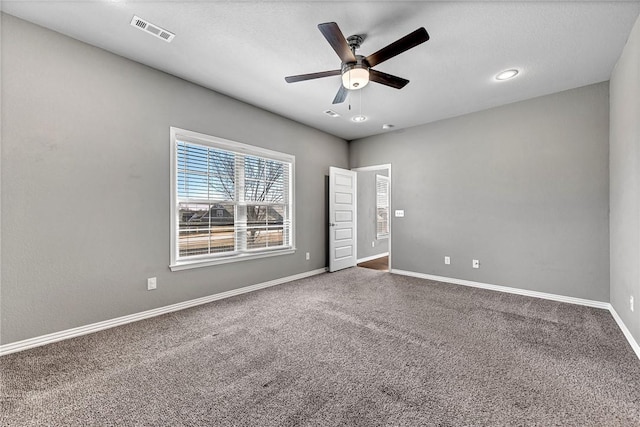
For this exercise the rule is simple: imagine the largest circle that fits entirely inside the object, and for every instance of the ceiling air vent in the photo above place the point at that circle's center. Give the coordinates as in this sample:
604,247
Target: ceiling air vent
154,30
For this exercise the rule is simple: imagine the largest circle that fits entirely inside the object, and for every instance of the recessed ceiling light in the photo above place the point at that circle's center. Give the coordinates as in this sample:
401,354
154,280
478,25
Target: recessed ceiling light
359,119
331,113
507,74
387,126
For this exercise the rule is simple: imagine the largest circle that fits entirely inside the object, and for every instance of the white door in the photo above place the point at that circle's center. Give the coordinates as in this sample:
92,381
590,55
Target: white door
342,219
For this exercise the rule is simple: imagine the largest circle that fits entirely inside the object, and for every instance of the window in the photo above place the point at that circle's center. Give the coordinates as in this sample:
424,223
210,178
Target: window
382,207
229,201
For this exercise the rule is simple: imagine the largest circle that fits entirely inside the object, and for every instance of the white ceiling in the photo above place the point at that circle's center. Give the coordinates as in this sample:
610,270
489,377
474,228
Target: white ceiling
245,49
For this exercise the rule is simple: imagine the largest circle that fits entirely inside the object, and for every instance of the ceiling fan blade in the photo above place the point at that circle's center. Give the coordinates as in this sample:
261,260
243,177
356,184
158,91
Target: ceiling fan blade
387,79
341,95
397,47
311,76
334,36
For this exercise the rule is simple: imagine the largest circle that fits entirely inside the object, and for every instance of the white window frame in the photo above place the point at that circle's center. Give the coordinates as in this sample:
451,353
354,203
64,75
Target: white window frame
188,136
387,182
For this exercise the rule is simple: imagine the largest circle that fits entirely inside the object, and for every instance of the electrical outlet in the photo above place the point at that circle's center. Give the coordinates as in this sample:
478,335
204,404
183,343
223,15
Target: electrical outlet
631,302
307,256
476,263
151,283
373,244
447,260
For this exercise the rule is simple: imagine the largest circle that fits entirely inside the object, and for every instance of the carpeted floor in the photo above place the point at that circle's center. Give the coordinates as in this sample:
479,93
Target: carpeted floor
356,347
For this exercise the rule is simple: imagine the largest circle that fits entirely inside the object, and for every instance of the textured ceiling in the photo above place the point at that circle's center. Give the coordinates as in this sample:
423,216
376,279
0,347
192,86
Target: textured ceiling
245,49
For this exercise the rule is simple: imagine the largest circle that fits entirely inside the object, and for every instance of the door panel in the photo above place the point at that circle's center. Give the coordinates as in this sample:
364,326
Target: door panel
345,233
342,214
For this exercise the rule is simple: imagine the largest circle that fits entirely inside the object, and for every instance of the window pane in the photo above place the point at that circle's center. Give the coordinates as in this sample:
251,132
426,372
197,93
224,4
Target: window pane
205,229
382,221
276,236
256,237
254,190
266,214
275,191
264,180
256,215
276,215
266,226
221,175
264,237
204,173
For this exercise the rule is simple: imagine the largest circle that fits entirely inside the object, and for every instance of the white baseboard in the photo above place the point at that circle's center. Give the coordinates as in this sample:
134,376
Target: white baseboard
625,331
99,326
372,257
536,294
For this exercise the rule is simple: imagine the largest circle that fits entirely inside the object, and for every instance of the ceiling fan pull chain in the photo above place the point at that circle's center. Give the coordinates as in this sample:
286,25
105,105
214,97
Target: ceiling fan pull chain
349,93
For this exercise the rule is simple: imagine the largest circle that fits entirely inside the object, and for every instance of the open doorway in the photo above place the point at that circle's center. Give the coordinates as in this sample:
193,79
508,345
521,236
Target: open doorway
381,264
374,217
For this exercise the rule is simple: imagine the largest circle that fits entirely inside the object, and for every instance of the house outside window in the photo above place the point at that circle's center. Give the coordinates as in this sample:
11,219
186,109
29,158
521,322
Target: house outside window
229,201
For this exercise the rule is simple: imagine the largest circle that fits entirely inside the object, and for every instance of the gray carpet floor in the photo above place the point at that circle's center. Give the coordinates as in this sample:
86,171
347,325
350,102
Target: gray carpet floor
359,347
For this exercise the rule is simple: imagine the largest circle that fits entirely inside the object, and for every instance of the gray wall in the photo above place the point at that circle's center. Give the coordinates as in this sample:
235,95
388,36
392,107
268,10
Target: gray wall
85,183
523,188
367,228
625,183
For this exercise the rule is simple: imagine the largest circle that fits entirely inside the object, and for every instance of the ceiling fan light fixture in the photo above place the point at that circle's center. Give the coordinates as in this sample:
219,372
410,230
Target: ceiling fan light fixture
355,76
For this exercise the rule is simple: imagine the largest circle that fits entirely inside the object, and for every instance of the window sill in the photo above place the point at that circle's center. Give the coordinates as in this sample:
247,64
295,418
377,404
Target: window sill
186,265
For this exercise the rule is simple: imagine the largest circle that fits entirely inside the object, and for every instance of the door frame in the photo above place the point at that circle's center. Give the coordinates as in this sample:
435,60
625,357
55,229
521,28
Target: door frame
387,167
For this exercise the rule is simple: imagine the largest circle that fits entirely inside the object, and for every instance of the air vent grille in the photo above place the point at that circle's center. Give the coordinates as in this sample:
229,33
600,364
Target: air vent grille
152,29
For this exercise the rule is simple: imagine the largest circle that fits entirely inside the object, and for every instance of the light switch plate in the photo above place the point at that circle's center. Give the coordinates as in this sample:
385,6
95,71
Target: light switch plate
399,213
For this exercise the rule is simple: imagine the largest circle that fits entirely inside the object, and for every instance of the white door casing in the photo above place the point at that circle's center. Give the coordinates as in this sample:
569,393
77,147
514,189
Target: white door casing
342,219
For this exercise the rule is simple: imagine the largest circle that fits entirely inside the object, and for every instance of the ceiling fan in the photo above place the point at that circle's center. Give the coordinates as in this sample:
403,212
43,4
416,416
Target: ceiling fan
356,70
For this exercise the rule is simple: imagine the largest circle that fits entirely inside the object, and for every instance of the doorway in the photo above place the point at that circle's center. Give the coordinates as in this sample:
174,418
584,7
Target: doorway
381,264
374,217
